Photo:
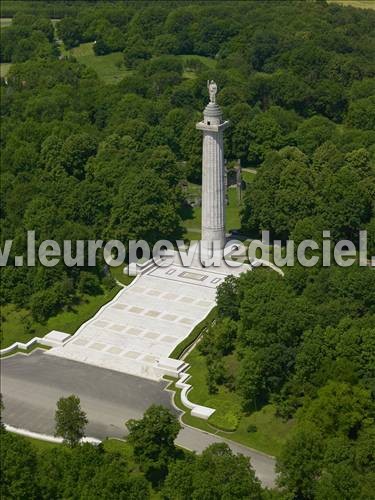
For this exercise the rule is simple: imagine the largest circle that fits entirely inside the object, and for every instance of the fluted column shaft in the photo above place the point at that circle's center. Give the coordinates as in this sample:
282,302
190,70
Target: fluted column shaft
213,186
213,195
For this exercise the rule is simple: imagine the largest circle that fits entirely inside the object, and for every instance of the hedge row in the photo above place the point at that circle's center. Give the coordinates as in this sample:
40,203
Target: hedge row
181,348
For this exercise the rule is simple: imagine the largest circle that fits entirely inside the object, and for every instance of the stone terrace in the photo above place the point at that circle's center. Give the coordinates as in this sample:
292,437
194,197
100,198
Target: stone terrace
136,332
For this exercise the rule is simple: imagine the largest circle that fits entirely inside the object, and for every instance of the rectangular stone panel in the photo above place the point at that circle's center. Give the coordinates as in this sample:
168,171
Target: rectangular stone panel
133,331
149,359
97,346
187,300
136,310
81,341
153,314
204,303
120,307
117,328
114,350
101,323
170,296
169,340
153,293
169,317
193,276
186,321
151,335
131,355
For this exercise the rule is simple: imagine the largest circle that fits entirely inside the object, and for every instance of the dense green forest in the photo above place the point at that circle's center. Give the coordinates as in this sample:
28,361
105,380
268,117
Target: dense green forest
87,159
306,343
149,465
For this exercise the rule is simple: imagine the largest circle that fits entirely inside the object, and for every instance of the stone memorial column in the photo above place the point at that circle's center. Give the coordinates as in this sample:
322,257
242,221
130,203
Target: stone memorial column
213,171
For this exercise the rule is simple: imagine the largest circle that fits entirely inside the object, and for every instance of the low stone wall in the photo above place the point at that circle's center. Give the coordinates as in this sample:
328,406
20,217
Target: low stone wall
266,263
20,345
52,339
46,437
196,410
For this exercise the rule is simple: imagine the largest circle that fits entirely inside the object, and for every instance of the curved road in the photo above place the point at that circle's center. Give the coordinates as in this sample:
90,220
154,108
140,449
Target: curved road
32,384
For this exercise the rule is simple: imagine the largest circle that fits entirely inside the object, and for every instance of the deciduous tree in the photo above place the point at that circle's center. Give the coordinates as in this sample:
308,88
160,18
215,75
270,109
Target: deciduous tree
70,420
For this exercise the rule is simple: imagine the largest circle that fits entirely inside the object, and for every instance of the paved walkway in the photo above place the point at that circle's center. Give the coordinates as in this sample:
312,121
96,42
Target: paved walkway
31,386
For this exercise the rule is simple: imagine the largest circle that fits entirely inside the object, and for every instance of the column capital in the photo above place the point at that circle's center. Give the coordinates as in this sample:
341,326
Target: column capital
212,128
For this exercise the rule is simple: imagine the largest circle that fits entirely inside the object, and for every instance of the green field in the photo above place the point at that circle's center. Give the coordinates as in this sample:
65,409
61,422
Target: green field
271,431
4,69
247,176
109,68
18,326
111,445
359,4
189,73
5,21
207,61
232,214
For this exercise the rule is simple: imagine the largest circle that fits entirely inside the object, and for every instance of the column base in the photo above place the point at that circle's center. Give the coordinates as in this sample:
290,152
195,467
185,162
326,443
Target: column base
211,253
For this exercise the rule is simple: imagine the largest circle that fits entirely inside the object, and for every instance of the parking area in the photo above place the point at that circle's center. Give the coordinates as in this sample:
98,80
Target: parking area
31,386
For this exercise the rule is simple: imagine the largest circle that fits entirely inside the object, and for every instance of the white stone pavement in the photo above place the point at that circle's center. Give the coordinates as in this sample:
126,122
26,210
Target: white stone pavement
137,331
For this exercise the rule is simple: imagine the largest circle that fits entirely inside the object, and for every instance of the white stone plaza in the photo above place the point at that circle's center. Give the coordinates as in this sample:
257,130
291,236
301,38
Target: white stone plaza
137,331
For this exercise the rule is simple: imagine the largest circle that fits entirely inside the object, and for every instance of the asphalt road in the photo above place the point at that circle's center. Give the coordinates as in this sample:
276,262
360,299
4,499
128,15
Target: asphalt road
196,440
31,386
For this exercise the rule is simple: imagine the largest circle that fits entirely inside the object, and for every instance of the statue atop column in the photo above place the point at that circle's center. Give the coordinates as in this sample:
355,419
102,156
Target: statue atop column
212,90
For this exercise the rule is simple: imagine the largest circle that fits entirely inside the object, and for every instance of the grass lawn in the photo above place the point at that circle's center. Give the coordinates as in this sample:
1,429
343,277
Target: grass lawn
118,446
227,404
5,21
17,324
107,67
4,69
207,61
232,210
192,235
41,445
359,4
271,432
189,72
248,176
117,273
110,445
195,222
